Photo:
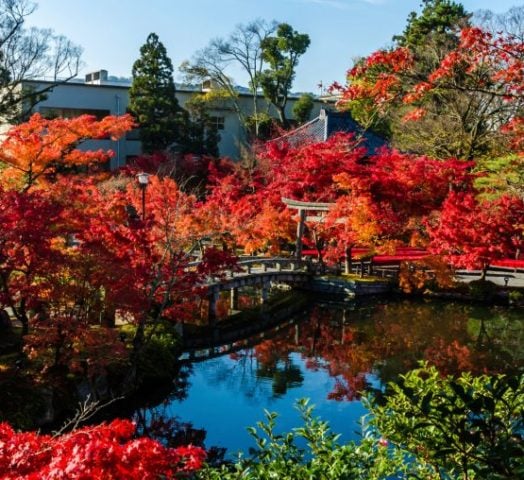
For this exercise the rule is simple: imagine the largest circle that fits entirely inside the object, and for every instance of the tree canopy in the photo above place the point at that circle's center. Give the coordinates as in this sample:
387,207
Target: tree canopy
439,18
152,99
303,107
242,48
457,98
267,53
281,52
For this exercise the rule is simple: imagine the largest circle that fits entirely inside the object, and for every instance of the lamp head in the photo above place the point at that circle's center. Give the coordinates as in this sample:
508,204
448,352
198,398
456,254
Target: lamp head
143,179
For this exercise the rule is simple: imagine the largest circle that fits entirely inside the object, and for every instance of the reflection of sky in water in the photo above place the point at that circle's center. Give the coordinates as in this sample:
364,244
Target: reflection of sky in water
226,396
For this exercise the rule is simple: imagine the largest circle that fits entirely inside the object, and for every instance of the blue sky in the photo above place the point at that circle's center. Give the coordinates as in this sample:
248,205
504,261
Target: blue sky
112,31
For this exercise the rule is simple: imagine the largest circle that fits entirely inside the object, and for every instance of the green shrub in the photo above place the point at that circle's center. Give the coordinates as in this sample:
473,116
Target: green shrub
159,357
466,427
311,452
482,290
426,427
516,297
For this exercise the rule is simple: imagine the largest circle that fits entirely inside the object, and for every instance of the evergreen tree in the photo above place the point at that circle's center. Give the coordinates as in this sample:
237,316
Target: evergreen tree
152,98
202,135
439,18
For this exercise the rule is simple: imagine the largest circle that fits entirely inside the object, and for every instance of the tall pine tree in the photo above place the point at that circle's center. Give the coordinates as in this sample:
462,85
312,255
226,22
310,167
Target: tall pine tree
152,98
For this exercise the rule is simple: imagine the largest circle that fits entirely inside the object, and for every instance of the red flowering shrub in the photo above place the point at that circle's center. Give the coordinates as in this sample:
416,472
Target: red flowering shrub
106,451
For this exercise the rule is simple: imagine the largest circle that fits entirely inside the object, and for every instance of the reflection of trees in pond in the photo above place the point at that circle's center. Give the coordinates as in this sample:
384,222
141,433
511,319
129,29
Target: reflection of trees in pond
180,385
159,424
390,338
154,419
248,298
283,375
499,337
243,372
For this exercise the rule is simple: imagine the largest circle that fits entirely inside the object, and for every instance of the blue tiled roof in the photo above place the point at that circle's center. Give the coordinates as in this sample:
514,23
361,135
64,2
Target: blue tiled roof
329,123
343,122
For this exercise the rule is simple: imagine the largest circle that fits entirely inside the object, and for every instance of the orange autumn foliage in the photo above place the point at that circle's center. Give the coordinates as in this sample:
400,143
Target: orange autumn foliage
415,276
40,146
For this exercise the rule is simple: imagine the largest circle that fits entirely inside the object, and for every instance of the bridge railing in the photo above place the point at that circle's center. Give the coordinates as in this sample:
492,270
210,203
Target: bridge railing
248,265
252,265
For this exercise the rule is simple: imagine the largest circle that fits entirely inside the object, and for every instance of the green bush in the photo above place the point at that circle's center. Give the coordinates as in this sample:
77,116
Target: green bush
466,427
516,297
482,290
426,427
159,357
311,452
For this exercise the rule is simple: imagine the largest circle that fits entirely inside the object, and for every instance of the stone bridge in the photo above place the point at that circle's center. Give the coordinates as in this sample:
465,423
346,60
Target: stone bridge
259,272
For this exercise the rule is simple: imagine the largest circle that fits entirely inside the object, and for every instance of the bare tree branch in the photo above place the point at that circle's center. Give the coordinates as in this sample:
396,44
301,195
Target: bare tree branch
30,54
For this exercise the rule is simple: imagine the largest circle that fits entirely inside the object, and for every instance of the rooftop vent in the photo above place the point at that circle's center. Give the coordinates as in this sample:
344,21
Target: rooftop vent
97,78
210,84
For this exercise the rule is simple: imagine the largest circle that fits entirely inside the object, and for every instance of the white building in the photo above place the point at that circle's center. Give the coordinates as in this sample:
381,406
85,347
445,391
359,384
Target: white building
100,96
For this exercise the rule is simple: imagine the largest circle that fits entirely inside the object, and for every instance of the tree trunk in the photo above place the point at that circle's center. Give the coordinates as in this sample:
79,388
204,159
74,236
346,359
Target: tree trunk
21,316
130,380
282,116
484,272
108,316
347,259
5,321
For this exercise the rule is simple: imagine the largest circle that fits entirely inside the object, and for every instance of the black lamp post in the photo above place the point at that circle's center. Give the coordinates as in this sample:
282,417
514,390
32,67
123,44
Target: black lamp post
143,180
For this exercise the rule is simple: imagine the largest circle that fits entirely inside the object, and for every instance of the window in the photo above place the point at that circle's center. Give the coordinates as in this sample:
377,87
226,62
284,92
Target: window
63,112
218,122
133,134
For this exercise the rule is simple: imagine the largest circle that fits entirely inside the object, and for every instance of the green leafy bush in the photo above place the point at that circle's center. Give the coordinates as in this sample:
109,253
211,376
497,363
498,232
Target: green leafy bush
159,356
516,297
426,427
466,427
311,452
482,290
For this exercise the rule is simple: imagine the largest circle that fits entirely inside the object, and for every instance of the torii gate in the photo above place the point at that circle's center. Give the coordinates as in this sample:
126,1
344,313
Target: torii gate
303,207
320,208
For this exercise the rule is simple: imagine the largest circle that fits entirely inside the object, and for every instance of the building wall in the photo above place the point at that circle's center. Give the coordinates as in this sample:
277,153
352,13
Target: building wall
112,98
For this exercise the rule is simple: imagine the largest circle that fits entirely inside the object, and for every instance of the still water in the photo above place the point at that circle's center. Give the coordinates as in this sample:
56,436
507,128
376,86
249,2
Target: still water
331,355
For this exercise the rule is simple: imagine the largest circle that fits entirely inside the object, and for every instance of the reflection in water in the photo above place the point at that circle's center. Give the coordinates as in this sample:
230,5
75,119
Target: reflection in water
158,423
336,353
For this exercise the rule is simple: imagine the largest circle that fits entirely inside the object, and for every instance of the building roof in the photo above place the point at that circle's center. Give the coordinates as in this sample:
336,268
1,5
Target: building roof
109,81
328,123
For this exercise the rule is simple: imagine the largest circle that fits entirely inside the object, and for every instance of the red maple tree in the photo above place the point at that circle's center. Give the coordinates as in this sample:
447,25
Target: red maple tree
472,233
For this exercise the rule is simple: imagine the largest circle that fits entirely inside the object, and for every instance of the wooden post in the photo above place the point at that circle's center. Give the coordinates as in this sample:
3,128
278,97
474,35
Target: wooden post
300,233
212,311
264,294
108,316
347,260
233,304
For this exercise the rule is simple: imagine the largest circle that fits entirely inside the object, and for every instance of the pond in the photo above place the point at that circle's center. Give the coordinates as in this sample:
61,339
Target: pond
330,355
